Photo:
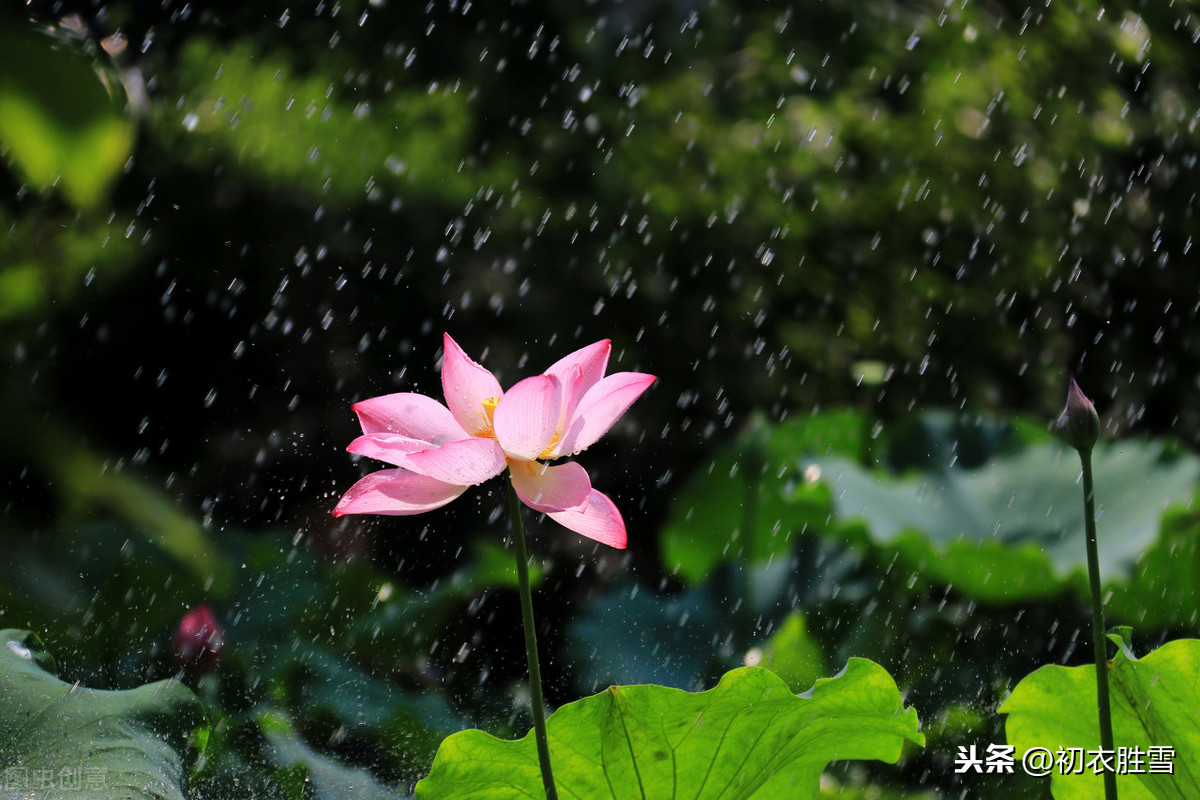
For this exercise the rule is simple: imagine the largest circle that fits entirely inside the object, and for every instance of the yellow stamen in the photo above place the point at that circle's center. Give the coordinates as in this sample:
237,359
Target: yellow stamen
489,432
489,408
550,447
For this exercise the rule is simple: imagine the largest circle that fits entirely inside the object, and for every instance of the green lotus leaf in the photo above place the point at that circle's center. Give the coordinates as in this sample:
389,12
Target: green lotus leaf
1013,527
64,742
749,737
1155,704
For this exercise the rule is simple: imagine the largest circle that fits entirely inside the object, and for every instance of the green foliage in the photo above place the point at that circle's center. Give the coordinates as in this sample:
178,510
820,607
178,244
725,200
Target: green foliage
67,742
264,756
267,757
58,123
1013,528
314,652
631,634
305,132
105,601
1153,704
89,485
44,265
324,777
748,737
1164,590
342,649
993,510
872,207
793,654
751,499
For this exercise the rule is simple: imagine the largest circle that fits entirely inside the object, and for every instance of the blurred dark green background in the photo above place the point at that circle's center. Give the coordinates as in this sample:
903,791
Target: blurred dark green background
223,223
770,207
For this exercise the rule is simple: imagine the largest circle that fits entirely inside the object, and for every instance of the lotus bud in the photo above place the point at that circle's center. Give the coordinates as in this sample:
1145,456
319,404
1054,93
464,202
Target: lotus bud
1079,424
199,641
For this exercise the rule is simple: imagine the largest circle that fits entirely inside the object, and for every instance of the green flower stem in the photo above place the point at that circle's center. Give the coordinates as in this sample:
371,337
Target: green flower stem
531,654
1100,640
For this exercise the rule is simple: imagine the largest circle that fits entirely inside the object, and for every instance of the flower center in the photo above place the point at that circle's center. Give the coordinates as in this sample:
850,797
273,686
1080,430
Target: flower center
550,447
489,408
488,431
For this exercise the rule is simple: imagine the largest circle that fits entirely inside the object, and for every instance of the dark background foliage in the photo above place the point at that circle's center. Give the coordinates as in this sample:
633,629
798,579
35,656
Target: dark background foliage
772,207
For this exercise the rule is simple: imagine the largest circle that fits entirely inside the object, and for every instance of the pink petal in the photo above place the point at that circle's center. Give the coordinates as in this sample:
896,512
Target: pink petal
407,414
466,385
602,406
396,492
599,519
572,392
525,418
591,360
462,463
545,488
389,447
578,372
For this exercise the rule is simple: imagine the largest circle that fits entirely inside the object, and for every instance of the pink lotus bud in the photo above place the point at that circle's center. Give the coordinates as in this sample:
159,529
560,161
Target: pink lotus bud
199,640
1079,424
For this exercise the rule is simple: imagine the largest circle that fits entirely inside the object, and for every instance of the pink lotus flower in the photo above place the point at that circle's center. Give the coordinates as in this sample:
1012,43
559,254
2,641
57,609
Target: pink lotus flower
482,430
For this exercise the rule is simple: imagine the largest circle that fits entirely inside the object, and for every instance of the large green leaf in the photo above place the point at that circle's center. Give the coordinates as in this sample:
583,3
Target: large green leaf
1155,703
1013,528
762,489
60,741
58,123
750,737
992,508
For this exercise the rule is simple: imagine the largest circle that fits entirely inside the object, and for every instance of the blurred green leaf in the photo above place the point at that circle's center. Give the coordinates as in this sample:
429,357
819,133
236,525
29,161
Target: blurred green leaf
1013,528
46,264
747,738
1165,588
632,635
1153,705
86,479
493,565
70,742
991,508
325,777
294,130
401,622
88,483
793,654
58,122
21,290
750,501
104,599
331,698
239,763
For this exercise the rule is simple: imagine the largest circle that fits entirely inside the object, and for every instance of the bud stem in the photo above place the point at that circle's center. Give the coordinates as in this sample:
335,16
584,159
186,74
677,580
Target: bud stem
1098,630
